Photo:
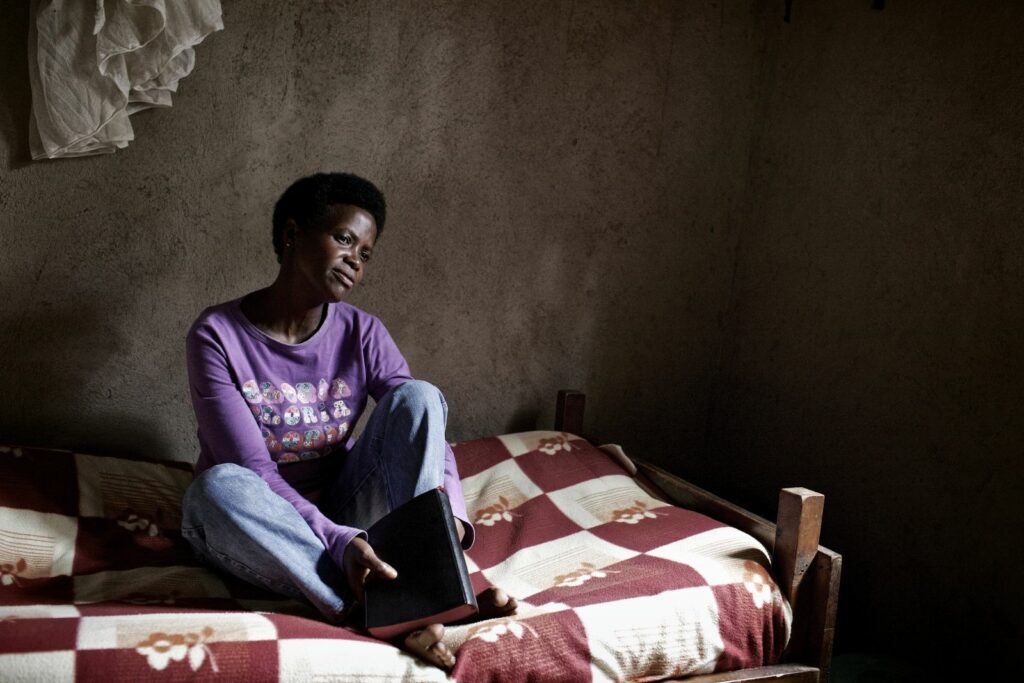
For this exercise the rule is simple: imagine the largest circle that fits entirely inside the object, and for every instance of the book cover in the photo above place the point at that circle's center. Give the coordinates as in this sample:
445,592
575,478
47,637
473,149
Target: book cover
420,540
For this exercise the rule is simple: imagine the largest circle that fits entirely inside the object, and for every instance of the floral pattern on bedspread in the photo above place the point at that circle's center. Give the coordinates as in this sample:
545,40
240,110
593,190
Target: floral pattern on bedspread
96,582
160,649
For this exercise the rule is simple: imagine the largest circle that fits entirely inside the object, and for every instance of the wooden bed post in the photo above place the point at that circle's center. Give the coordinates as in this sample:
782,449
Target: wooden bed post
807,573
797,530
794,557
569,411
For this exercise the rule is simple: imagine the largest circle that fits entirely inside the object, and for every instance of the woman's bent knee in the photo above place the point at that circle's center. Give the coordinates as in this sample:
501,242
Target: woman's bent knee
221,483
417,391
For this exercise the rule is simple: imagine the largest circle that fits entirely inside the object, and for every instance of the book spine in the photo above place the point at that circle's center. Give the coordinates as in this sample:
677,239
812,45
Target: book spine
458,557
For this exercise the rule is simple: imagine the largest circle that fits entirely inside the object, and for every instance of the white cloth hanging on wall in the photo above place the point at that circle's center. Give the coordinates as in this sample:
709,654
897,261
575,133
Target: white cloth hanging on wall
92,64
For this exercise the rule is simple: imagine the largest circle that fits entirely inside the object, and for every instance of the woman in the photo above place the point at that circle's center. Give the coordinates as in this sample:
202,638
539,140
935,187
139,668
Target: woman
278,378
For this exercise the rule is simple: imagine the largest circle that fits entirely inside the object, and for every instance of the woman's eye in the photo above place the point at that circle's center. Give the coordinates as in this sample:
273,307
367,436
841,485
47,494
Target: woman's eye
365,256
343,239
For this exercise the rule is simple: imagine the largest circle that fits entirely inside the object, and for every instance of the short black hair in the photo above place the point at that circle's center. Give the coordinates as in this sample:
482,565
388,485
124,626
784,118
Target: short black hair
308,200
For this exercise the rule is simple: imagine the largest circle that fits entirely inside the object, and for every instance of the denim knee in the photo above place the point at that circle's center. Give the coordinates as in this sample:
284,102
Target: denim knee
218,485
417,392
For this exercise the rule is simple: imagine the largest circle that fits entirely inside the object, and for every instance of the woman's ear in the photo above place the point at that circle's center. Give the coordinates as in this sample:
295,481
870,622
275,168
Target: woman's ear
291,231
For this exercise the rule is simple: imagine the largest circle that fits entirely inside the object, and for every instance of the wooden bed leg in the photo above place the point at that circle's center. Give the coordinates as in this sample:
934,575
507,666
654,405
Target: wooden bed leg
569,411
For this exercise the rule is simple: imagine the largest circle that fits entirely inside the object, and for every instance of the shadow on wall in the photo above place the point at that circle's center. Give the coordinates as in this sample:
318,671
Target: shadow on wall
15,105
63,402
525,420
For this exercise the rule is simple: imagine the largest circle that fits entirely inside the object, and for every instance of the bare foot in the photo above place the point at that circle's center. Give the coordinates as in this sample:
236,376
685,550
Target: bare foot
426,644
494,602
491,603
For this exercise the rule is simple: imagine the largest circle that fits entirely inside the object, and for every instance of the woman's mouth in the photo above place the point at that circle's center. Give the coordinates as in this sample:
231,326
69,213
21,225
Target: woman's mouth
346,281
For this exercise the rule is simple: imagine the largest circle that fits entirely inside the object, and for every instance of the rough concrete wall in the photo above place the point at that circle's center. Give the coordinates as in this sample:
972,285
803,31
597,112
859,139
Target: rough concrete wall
873,338
565,182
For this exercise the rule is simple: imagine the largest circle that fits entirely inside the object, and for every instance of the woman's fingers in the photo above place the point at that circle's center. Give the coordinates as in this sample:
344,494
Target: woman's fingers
376,566
384,570
361,562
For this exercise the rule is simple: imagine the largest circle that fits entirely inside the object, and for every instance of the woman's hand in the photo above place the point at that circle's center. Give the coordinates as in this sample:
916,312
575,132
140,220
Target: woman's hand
360,562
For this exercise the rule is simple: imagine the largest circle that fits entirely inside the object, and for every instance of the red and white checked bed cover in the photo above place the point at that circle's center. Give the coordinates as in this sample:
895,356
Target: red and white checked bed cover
97,584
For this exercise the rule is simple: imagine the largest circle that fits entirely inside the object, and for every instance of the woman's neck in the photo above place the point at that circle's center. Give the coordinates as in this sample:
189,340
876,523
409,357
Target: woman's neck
283,316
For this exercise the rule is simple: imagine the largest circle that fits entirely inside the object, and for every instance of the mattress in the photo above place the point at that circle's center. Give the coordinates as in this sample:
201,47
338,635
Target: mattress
96,582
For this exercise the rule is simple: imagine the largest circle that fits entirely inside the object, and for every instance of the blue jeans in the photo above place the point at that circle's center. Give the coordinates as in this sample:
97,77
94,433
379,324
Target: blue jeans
236,523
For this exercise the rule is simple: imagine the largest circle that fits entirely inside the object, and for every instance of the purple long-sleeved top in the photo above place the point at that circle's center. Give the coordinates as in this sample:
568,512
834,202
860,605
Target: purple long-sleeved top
286,411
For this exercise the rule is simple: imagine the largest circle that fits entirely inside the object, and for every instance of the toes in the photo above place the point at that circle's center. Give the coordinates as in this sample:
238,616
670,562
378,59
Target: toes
493,597
441,655
433,633
427,645
496,602
424,639
501,598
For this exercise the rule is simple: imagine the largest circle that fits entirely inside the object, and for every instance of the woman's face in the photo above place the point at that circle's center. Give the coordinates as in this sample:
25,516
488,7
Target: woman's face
333,257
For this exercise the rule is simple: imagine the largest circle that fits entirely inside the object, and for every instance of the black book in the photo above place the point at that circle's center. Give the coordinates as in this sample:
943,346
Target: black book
420,541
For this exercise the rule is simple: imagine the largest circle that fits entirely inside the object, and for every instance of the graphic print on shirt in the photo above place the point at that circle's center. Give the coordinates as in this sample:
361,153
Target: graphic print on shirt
314,438
251,391
270,393
341,410
307,394
273,445
269,417
291,440
302,412
339,389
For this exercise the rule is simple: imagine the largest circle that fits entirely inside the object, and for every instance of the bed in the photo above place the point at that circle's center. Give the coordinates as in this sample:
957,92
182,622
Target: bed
622,571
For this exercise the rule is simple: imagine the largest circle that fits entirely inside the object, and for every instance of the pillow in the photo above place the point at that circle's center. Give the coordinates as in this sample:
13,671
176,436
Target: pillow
65,514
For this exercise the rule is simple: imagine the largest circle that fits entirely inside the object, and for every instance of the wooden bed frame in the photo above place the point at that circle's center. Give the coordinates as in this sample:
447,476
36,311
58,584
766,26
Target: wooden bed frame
807,573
